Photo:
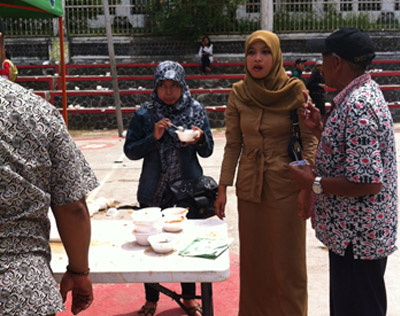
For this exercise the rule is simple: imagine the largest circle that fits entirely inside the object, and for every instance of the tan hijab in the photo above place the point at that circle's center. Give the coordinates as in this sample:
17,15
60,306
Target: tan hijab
276,92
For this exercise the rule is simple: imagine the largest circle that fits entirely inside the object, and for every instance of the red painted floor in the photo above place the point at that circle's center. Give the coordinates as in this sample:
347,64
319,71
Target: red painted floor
126,299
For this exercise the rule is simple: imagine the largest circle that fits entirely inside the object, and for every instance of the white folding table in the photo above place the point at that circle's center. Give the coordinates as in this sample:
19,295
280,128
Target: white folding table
115,257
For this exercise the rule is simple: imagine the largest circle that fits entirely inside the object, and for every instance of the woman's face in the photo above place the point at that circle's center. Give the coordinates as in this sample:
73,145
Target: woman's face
169,91
206,41
259,60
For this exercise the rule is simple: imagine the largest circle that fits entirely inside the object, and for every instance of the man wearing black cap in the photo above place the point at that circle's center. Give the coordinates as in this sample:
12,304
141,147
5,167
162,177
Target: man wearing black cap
355,181
299,68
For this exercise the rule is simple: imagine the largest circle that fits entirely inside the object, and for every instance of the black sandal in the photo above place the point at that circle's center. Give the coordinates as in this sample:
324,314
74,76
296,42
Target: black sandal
192,310
147,311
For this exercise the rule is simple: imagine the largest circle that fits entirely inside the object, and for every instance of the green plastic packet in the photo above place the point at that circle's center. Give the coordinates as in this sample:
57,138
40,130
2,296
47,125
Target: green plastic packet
209,248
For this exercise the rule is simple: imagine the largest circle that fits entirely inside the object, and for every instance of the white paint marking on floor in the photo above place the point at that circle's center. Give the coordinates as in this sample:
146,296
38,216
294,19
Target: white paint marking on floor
93,194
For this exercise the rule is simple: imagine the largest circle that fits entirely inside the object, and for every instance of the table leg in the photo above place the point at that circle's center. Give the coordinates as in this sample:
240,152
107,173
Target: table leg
206,299
175,296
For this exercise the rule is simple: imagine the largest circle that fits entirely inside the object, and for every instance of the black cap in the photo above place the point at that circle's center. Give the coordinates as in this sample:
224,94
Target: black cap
349,43
299,61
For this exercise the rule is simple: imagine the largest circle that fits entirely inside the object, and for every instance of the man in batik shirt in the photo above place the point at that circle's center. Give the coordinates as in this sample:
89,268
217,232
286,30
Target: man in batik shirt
40,167
355,181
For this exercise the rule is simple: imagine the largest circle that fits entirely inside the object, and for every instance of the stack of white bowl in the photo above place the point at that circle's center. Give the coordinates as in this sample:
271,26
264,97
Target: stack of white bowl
174,218
147,222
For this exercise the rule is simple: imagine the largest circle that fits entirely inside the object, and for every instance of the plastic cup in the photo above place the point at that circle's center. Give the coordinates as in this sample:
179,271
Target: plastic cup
299,164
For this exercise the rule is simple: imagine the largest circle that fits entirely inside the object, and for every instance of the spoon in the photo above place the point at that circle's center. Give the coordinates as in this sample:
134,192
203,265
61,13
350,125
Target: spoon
179,128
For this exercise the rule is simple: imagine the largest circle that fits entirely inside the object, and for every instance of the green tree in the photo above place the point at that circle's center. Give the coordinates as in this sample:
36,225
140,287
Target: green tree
189,19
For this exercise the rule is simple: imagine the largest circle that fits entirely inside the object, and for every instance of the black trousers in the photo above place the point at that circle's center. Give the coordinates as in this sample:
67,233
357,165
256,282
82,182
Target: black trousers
205,62
357,287
188,292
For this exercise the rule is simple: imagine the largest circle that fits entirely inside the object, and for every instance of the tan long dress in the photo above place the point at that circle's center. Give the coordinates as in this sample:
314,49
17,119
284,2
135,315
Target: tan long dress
273,280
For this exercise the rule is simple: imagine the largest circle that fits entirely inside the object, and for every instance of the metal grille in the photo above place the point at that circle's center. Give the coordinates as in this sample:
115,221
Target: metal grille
138,17
28,27
325,16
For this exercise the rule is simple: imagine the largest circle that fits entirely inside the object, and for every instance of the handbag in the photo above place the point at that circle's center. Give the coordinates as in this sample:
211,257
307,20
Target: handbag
198,195
295,146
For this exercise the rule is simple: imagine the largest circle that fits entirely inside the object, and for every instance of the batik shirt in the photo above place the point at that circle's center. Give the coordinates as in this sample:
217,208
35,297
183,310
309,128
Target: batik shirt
40,166
358,143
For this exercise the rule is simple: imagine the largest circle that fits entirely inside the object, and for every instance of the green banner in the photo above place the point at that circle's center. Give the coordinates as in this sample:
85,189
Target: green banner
30,8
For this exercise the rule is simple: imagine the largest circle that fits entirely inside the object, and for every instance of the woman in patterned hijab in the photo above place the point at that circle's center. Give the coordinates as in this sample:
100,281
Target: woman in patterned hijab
166,159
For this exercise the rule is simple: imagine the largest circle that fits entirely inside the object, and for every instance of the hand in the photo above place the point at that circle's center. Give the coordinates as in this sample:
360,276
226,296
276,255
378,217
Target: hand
82,291
303,177
304,204
160,127
311,116
323,85
198,137
220,202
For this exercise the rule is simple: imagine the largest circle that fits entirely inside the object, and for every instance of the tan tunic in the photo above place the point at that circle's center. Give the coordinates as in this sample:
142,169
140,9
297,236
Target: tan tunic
272,235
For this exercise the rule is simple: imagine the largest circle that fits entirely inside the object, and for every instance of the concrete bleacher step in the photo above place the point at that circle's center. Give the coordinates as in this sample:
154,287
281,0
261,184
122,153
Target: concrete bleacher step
89,87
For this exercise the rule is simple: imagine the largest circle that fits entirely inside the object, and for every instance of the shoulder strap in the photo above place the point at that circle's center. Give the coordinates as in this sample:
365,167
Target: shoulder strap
294,117
295,123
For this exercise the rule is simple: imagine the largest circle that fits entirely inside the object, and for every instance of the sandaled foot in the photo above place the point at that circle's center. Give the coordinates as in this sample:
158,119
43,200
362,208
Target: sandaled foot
195,310
147,311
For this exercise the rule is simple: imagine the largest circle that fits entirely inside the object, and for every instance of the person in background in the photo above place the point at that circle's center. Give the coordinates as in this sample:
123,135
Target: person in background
316,87
166,159
206,54
299,65
40,168
355,180
273,274
8,69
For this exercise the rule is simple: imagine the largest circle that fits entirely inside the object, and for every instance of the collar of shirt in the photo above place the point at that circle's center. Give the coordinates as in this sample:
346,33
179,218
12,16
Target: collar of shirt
356,83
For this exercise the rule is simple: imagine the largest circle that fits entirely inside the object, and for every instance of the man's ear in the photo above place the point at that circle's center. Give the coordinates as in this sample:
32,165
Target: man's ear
338,61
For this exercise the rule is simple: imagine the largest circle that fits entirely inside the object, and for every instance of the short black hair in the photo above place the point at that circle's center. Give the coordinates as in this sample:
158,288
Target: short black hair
300,60
206,37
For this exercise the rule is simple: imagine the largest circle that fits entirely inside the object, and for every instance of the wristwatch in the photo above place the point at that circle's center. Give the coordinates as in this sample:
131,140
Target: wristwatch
316,186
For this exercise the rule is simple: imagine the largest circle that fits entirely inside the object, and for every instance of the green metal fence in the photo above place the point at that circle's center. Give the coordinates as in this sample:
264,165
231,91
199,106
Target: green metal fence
150,17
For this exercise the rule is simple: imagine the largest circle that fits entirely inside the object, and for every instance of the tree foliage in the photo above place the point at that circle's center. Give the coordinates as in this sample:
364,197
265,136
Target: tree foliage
189,19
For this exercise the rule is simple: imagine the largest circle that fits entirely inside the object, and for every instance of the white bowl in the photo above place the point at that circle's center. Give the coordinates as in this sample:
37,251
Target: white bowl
174,223
176,210
148,216
187,135
162,243
141,238
147,228
112,211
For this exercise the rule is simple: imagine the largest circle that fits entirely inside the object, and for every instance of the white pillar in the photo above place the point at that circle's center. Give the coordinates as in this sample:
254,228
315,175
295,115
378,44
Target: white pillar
267,15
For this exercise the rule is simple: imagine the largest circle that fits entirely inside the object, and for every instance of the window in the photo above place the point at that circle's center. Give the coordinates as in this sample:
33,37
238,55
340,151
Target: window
299,5
369,5
252,6
138,6
346,5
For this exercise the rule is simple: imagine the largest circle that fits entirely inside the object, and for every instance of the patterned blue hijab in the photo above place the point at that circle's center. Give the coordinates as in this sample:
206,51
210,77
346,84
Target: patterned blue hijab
185,112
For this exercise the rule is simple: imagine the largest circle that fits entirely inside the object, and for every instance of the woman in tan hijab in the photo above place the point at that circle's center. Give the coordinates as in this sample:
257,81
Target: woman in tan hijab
273,280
